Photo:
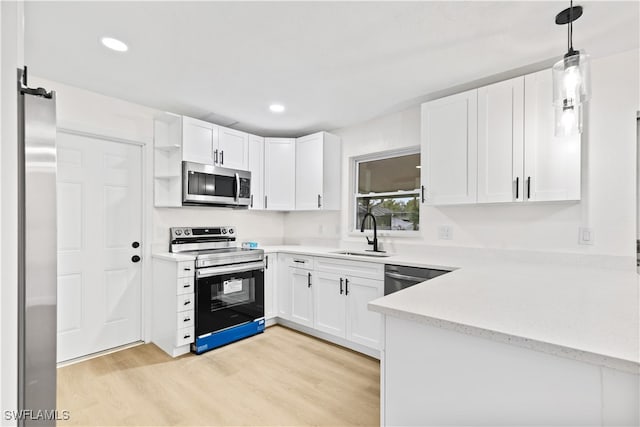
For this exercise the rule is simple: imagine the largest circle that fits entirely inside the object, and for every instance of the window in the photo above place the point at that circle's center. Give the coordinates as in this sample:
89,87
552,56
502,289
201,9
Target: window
388,186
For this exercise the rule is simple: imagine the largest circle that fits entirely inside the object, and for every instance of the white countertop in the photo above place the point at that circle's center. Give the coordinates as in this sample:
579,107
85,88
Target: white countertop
584,313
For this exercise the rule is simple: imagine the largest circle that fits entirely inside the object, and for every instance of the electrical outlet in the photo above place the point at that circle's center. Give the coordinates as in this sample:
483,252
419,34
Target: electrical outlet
445,232
585,236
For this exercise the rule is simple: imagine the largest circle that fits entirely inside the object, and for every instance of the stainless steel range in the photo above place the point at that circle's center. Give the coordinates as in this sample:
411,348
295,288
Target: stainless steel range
229,285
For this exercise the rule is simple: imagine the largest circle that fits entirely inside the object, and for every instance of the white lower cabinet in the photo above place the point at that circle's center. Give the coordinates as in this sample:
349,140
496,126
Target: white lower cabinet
341,307
283,288
301,296
173,305
363,326
330,304
331,296
270,286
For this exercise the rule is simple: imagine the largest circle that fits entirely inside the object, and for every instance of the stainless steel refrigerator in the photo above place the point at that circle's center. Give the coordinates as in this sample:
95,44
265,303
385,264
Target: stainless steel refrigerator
37,254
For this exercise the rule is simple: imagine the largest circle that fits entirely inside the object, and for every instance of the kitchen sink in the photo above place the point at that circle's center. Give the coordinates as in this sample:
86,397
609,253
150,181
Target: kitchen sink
363,253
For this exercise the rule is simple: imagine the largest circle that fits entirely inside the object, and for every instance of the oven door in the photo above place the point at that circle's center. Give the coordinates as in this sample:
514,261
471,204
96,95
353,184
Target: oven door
228,296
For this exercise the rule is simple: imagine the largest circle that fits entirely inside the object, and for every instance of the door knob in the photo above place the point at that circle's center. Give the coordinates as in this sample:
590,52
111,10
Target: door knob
135,245
135,258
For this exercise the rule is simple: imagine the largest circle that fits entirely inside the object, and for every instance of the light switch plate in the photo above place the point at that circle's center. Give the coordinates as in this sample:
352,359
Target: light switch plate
585,236
445,232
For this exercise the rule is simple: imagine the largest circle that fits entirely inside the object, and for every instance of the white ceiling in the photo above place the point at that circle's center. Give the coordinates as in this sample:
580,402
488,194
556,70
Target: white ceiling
332,64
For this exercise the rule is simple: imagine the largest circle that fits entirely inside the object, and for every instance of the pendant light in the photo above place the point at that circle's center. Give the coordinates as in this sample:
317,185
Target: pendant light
570,79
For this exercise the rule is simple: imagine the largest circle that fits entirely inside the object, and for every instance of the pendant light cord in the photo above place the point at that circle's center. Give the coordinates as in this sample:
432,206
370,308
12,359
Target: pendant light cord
570,29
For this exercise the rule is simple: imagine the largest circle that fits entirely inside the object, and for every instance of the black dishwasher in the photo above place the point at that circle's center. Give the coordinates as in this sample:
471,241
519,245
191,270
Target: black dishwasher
398,277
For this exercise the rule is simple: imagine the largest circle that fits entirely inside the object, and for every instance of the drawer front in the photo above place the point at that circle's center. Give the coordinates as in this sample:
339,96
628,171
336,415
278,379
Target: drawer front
185,285
186,269
184,336
185,302
367,270
185,319
298,261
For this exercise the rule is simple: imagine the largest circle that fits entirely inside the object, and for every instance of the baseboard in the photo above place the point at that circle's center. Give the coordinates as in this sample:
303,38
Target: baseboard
330,338
98,354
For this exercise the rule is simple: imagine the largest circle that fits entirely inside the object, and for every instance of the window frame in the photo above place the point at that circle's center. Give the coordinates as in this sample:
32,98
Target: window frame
355,161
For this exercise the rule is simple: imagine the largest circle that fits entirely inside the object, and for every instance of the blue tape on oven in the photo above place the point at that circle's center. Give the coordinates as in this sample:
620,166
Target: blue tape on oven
218,339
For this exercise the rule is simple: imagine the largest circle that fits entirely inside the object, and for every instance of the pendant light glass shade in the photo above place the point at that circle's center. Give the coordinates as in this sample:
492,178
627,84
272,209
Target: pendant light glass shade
571,89
571,80
568,120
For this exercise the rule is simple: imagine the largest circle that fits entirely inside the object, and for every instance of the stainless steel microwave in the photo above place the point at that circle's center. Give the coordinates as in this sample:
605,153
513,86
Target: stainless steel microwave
213,185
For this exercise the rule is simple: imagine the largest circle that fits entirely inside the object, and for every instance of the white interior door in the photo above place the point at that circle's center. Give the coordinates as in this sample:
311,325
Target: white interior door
99,218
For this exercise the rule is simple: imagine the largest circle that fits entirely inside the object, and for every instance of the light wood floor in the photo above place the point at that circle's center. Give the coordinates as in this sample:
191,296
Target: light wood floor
280,377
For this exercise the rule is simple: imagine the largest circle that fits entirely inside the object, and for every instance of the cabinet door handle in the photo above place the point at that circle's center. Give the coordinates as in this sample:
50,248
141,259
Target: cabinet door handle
266,262
528,187
215,156
308,280
265,202
251,202
346,286
341,290
222,157
319,201
517,187
422,192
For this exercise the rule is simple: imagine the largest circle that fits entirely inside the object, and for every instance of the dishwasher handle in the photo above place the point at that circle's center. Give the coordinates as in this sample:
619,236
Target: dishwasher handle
405,277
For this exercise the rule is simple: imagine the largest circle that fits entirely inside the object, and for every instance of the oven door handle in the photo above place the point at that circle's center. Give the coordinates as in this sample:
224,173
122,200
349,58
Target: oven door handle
217,271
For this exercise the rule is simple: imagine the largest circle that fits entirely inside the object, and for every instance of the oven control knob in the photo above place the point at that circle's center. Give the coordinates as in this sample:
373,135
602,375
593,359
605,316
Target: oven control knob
187,232
224,231
178,232
231,231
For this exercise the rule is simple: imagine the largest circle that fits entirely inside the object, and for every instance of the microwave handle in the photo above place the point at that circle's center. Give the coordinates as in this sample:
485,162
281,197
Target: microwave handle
237,187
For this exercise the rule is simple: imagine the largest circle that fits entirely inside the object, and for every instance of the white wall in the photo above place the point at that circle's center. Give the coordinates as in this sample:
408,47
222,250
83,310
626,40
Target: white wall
609,177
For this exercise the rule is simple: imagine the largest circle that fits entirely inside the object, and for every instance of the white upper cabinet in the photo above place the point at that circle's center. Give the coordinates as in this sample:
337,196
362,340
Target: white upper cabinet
551,164
256,167
318,172
233,149
497,144
199,140
279,174
501,141
204,142
449,149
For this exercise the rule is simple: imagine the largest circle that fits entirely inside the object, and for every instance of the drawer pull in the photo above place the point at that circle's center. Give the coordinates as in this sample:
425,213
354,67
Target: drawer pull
188,285
299,261
187,336
187,269
187,302
186,319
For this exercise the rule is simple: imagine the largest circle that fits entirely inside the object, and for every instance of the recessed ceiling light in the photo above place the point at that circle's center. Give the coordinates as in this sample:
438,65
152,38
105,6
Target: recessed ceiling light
114,44
276,108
